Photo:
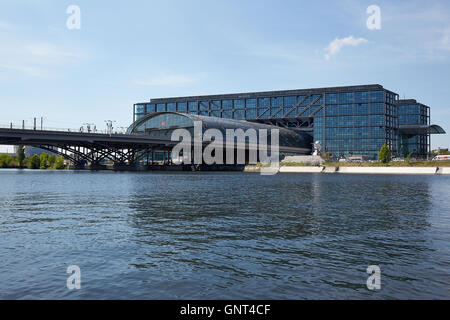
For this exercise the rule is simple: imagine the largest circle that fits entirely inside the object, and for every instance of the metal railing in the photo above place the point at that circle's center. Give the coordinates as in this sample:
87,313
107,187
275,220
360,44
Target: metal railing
72,130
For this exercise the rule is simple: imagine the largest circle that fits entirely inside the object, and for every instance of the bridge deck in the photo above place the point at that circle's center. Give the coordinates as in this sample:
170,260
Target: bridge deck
38,137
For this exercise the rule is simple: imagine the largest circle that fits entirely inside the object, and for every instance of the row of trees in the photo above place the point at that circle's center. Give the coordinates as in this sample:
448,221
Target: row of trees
44,161
384,155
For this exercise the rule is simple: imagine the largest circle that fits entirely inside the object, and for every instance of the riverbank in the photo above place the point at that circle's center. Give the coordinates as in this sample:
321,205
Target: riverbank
359,169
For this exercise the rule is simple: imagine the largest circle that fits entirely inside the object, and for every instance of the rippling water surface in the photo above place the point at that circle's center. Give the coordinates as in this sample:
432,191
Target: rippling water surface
223,235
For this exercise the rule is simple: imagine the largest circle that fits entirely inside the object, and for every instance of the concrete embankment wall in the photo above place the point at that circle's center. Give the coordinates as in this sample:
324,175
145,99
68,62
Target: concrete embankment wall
388,170
360,170
443,170
301,169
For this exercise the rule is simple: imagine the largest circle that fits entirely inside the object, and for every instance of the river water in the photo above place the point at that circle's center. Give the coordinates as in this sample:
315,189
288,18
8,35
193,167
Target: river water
223,235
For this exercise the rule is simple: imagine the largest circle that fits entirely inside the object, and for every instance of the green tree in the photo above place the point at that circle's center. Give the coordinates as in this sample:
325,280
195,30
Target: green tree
34,162
6,161
20,155
59,164
326,156
384,155
44,160
408,158
51,161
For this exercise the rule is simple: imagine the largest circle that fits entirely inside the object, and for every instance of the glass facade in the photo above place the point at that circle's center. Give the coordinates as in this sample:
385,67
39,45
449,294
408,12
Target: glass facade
347,121
410,112
357,123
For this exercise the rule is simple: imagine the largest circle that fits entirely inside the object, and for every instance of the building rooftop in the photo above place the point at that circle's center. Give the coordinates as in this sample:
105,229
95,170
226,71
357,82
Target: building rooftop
271,93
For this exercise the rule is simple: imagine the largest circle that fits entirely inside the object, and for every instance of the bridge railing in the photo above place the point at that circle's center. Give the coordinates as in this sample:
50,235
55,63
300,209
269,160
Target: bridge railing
38,128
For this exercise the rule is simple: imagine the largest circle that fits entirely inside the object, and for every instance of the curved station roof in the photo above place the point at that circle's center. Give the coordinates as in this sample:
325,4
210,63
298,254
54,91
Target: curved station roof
421,129
162,125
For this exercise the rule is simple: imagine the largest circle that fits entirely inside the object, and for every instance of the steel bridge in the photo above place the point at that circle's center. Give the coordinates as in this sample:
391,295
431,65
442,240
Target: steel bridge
88,148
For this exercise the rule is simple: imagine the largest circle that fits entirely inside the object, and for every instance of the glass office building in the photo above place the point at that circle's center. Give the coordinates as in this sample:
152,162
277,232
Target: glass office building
355,120
410,112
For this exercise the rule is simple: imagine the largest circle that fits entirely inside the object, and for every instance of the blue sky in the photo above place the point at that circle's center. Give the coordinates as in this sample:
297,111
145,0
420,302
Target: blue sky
131,51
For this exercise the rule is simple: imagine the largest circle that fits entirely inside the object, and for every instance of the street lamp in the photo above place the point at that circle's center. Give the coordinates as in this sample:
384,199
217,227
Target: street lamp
109,126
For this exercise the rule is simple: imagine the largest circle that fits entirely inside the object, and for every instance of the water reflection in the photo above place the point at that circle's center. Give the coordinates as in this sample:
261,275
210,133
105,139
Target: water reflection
224,235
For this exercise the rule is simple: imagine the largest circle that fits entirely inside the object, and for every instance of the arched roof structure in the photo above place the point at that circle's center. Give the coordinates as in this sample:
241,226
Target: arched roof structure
162,124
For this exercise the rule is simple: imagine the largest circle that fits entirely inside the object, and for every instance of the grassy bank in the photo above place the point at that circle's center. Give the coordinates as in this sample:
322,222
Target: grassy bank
390,164
366,164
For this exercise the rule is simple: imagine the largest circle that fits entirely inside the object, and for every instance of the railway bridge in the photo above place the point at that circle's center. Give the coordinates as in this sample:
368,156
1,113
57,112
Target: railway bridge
88,149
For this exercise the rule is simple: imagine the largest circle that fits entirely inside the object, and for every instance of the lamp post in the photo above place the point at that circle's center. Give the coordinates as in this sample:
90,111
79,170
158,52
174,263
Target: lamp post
109,126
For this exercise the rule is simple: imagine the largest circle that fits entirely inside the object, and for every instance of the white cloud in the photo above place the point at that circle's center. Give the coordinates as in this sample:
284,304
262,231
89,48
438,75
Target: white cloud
174,80
337,44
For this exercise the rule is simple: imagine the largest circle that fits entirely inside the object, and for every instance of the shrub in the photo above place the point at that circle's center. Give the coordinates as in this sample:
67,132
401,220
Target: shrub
20,155
44,160
384,155
408,158
59,164
51,161
34,162
6,161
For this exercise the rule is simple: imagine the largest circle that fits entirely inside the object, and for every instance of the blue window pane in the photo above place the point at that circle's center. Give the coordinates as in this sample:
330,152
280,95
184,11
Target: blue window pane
151,108
204,106
171,107
362,96
277,102
300,99
377,108
160,107
290,101
346,109
215,113
251,114
227,104
263,102
377,96
361,108
140,108
239,104
182,106
320,112
319,101
377,120
238,114
263,113
346,97
276,112
227,114
331,110
251,103
289,111
331,98
192,105
216,105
